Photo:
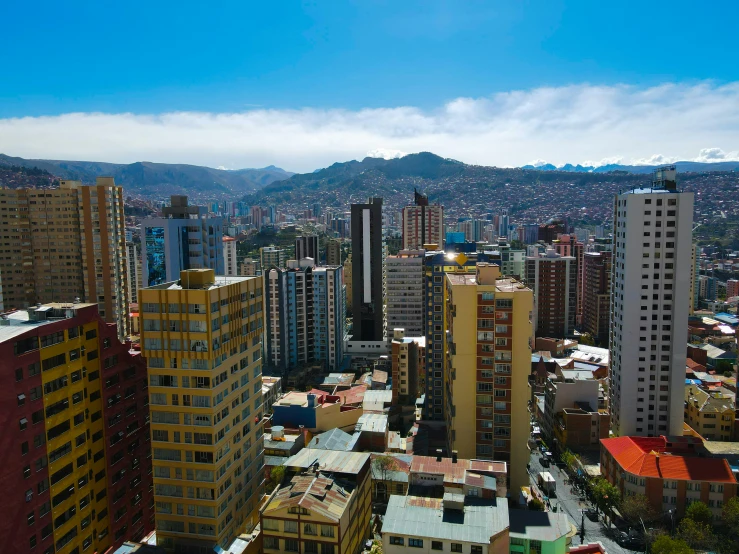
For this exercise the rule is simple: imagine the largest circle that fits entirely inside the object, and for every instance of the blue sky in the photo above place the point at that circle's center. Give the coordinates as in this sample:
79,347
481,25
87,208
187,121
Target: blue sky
281,57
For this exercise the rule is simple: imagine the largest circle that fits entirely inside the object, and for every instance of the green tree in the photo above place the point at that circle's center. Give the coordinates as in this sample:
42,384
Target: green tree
634,508
276,475
730,516
697,535
664,544
606,495
700,513
536,505
383,465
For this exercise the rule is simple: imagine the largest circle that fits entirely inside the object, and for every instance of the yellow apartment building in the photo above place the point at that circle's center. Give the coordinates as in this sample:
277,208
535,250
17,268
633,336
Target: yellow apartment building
489,357
710,414
65,243
201,337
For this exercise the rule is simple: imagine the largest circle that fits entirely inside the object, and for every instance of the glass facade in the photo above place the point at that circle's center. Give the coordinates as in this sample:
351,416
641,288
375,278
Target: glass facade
155,256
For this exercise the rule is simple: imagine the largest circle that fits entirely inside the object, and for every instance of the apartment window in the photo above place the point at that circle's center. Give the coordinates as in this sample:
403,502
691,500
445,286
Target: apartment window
397,540
456,547
475,549
437,545
291,545
291,526
415,543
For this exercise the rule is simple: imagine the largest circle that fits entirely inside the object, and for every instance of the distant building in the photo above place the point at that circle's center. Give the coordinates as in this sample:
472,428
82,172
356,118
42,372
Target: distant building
671,472
348,281
316,412
568,245
408,366
185,237
561,394
710,413
405,301
229,256
693,297
271,391
307,247
423,224
732,288
548,232
596,295
273,257
133,268
250,267
553,278
333,252
368,279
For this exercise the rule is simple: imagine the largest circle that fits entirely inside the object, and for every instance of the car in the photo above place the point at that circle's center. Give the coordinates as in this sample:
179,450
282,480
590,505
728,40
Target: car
544,462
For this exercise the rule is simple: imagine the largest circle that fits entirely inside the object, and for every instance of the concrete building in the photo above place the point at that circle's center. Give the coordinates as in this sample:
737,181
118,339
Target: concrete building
368,272
694,297
651,279
63,244
490,360
553,278
596,295
672,472
333,252
250,268
305,307
408,361
732,288
133,268
185,237
324,506
561,393
307,247
423,224
568,245
315,412
273,257
76,464
229,256
201,336
405,301
710,413
271,391
348,281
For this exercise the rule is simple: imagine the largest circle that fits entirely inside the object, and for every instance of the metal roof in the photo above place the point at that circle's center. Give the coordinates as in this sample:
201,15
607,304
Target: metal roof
538,526
329,460
425,517
317,494
335,439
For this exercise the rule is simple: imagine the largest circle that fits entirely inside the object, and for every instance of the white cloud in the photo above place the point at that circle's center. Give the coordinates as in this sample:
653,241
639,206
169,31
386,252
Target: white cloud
537,163
386,153
564,124
716,155
654,159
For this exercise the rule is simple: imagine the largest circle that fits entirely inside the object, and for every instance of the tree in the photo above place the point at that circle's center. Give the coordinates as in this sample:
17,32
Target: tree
384,464
634,507
697,535
536,505
276,475
664,544
730,516
700,513
606,496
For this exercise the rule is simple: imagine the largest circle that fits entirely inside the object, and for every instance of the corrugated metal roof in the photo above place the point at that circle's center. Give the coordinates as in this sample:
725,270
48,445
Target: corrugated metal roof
425,517
538,526
329,460
335,439
320,495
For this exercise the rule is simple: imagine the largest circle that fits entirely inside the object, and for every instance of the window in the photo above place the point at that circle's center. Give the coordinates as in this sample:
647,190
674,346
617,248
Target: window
272,543
437,545
397,540
291,526
475,549
291,545
415,543
327,531
456,547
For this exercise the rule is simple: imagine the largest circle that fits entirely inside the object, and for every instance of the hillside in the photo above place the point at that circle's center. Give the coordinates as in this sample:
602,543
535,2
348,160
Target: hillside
529,194
685,167
157,180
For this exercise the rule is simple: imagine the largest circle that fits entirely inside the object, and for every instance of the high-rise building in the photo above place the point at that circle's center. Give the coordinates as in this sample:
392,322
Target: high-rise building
76,451
201,336
596,295
348,281
503,224
649,316
307,247
273,257
553,278
694,296
732,288
83,227
305,308
133,266
368,260
549,231
230,264
408,359
333,252
490,334
423,223
250,267
405,300
256,217
185,237
568,245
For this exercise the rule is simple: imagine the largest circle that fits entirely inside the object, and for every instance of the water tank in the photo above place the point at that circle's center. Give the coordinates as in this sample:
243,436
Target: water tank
311,400
278,432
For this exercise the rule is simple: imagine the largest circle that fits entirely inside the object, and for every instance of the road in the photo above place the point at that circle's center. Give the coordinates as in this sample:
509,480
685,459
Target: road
572,505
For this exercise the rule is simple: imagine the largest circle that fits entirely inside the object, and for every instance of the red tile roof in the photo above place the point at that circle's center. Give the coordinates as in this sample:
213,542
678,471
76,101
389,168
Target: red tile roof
656,457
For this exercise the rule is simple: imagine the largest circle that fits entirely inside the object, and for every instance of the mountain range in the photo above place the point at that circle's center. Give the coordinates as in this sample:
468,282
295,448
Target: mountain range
693,167
159,180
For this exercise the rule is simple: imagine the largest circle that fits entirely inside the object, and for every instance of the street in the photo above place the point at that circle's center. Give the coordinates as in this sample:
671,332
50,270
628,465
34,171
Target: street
572,505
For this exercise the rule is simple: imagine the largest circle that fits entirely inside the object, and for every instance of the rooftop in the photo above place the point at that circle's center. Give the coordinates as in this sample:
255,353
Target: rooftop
426,517
335,439
17,322
329,460
320,495
501,285
219,281
538,526
372,422
674,458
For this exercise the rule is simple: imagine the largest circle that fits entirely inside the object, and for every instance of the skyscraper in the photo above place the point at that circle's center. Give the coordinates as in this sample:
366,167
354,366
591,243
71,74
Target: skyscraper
333,252
423,223
694,292
568,245
133,265
83,227
596,295
185,237
273,256
649,311
368,299
307,247
553,278
76,453
490,333
405,301
230,264
201,336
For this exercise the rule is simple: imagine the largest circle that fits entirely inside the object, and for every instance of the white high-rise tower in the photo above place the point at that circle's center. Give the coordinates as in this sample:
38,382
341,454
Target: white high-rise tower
649,313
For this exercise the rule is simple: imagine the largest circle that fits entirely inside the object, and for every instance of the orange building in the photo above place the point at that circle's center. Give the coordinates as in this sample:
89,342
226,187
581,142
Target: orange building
669,471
